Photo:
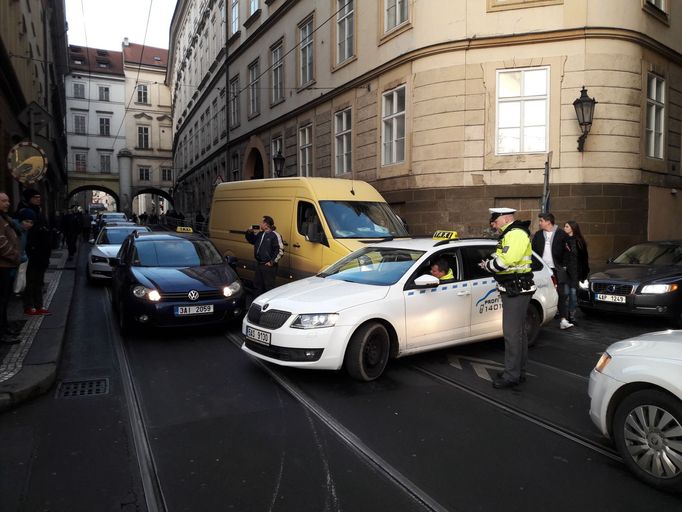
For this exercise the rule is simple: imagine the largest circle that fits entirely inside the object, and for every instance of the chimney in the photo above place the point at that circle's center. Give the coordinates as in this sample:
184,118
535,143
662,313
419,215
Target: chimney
125,42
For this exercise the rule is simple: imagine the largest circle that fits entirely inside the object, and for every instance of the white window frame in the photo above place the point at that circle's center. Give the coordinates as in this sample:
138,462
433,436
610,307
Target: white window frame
80,160
166,174
142,94
306,52
277,57
144,173
234,21
345,30
105,163
79,90
655,116
522,100
234,101
103,93
305,150
143,135
79,119
254,90
276,146
343,136
393,9
390,121
105,127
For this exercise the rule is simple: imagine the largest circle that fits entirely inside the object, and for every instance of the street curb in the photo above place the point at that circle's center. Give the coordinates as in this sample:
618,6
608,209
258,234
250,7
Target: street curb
36,378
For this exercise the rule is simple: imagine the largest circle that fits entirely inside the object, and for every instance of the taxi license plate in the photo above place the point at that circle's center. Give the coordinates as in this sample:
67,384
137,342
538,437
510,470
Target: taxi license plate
261,337
203,309
610,298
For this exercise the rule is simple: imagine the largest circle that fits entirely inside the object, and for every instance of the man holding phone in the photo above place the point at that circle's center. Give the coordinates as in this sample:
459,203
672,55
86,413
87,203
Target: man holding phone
267,252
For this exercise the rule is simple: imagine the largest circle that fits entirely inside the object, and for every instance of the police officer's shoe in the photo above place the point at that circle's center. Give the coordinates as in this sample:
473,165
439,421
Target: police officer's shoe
500,383
522,379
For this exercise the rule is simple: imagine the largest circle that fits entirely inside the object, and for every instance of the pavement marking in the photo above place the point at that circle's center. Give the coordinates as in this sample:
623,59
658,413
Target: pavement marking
14,360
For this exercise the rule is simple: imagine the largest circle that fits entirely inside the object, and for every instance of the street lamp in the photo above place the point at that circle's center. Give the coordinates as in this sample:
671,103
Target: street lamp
584,111
278,160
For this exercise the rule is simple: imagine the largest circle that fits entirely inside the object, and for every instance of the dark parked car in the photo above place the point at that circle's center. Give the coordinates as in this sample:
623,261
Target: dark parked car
167,279
646,279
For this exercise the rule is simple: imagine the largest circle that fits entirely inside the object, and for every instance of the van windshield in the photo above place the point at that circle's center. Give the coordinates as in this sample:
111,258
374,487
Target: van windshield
361,219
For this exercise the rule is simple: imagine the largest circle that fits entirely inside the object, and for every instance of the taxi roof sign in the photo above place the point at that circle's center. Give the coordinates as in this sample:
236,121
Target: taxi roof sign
444,235
184,229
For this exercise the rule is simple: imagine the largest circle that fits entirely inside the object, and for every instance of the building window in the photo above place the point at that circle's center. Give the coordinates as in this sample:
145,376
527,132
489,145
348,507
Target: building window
202,133
342,132
253,6
103,93
143,137
142,94
105,163
395,13
105,126
191,145
79,124
276,147
306,51
393,126
344,30
522,111
144,173
234,101
78,90
166,174
214,120
221,124
655,110
254,97
659,4
277,73
234,27
81,162
305,150
234,167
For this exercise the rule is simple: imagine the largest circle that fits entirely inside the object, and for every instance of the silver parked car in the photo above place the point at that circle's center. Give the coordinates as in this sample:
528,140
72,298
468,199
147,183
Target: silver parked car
106,246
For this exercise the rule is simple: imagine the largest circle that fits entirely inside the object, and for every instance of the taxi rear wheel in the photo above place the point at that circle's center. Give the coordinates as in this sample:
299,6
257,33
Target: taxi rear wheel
533,324
368,352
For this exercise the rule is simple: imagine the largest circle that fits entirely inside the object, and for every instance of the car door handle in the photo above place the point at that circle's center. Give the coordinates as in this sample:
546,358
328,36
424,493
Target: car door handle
296,245
464,292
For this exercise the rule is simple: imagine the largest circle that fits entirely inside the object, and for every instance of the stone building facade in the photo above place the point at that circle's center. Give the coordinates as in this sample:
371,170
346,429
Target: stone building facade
448,111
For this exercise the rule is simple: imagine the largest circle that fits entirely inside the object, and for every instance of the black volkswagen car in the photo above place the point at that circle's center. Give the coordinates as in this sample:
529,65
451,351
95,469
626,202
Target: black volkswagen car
646,279
168,279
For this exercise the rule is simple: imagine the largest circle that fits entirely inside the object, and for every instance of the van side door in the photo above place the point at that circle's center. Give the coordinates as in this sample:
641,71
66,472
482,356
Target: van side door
308,240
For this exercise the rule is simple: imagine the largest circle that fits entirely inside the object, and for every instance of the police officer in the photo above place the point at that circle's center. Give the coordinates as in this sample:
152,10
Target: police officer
267,251
511,266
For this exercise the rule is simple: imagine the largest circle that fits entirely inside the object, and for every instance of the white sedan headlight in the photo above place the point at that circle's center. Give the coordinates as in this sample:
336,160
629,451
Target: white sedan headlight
315,321
232,289
659,288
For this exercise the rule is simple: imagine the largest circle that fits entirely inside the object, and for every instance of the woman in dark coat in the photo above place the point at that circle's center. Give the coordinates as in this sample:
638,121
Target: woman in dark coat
577,265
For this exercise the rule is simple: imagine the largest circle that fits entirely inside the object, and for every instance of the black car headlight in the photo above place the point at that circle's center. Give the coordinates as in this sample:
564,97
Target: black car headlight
232,289
99,259
659,288
142,292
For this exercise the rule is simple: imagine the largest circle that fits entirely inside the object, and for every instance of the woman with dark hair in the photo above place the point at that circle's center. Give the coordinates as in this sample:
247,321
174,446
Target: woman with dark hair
577,265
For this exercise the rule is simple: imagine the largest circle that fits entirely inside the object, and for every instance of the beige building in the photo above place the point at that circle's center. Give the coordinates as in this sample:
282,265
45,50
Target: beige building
449,108
148,127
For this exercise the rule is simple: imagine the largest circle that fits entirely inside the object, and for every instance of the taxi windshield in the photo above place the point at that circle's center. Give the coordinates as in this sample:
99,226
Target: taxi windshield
175,253
362,219
371,265
116,235
654,254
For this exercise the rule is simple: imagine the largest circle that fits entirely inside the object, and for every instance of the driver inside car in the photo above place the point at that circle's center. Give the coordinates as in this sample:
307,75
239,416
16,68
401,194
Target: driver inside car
442,270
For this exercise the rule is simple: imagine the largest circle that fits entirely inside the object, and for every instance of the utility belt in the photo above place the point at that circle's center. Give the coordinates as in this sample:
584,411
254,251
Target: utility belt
515,284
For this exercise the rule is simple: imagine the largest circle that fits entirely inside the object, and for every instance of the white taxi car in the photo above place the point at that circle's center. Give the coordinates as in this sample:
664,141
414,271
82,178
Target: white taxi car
636,399
106,246
381,301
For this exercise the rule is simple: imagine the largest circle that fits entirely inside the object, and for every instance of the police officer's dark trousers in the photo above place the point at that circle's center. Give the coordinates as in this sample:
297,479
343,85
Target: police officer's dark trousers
515,337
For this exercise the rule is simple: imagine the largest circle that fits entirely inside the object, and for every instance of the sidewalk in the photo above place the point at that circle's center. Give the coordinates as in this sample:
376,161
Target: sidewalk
29,368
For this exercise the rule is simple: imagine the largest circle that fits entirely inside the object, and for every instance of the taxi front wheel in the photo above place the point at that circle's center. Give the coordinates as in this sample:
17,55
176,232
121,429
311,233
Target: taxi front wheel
367,352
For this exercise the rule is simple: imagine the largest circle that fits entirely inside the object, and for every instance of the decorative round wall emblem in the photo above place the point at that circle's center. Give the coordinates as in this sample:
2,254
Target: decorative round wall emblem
27,162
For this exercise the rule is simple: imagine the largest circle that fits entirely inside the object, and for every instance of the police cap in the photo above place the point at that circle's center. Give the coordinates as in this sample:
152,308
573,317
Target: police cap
496,212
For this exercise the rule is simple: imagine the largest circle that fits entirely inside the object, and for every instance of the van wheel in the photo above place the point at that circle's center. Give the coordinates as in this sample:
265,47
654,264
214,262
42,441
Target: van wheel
533,324
367,352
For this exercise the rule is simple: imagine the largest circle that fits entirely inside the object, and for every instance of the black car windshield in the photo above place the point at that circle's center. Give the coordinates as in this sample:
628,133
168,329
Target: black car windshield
361,219
116,235
654,254
371,265
175,253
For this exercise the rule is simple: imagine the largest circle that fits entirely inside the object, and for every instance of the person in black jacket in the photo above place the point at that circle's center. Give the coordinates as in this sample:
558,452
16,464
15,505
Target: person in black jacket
577,266
551,244
266,251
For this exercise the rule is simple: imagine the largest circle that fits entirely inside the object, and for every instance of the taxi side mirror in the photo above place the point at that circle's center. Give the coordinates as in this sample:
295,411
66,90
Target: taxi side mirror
427,281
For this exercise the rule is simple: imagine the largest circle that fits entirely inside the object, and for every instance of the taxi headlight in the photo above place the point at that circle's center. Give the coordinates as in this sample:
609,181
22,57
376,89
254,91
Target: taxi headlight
584,285
142,291
315,321
659,288
603,361
154,296
232,289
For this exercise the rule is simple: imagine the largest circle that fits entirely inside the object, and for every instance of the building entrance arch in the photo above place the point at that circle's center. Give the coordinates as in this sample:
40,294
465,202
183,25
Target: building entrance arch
254,160
100,188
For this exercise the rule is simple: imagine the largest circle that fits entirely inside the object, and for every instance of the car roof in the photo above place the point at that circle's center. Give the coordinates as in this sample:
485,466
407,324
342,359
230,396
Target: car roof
122,225
156,236
428,243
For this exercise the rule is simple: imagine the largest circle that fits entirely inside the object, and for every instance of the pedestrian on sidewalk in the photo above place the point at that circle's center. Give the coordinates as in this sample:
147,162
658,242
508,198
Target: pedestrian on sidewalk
23,223
38,250
577,266
10,250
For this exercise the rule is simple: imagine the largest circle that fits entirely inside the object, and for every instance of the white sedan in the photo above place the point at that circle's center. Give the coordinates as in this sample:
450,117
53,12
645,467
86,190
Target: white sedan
636,399
106,246
380,301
